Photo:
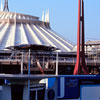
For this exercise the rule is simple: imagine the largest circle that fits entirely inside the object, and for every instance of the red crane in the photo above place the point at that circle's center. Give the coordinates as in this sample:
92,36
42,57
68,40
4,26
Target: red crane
80,62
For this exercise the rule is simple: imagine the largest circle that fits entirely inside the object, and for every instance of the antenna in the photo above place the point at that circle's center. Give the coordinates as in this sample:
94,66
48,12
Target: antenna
6,6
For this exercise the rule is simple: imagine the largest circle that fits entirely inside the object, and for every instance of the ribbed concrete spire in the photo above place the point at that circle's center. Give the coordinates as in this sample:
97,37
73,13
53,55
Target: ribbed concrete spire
47,18
43,17
1,5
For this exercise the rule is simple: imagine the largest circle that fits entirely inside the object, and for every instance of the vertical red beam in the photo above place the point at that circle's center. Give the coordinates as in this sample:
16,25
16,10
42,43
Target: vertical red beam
82,41
77,66
83,35
80,61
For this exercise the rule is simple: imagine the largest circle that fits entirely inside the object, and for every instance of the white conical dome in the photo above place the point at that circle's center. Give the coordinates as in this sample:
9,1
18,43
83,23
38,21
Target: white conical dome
17,29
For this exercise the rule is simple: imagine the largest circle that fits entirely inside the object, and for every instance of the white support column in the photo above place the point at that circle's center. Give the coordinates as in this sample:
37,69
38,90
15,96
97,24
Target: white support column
22,64
36,95
29,75
56,62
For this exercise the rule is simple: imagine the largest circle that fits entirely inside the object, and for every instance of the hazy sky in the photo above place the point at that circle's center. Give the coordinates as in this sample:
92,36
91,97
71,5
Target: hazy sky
63,15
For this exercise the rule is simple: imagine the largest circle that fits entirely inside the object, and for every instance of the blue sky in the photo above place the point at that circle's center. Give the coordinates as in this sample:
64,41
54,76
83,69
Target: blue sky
63,15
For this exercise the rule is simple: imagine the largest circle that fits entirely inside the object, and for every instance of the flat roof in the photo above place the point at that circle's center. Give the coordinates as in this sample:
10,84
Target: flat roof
31,77
25,77
32,47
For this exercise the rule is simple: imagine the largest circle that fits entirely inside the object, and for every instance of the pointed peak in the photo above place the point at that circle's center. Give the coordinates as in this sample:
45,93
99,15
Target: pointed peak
1,5
47,16
43,16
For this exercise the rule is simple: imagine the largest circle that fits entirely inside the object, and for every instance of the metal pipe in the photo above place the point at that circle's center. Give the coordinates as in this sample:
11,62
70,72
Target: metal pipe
22,64
29,75
56,62
29,63
36,95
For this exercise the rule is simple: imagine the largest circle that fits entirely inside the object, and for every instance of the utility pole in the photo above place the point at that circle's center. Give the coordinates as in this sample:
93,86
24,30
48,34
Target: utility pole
6,6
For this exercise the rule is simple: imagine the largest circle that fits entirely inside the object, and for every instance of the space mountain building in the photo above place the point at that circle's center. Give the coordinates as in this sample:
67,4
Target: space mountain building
17,29
21,32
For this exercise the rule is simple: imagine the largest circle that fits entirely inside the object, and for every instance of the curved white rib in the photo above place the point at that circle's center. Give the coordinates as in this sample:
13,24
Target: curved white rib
10,15
11,37
18,35
24,17
54,33
36,39
3,32
3,37
24,39
19,17
55,39
7,16
14,16
3,15
43,36
2,24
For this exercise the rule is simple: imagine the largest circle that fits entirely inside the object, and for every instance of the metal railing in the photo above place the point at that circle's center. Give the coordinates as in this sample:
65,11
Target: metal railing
9,58
53,60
